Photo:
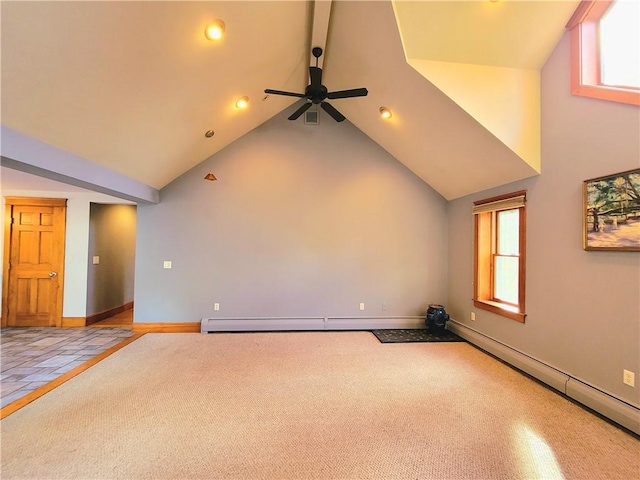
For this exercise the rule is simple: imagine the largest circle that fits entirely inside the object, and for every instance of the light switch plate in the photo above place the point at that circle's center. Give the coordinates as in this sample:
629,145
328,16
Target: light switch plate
166,264
96,259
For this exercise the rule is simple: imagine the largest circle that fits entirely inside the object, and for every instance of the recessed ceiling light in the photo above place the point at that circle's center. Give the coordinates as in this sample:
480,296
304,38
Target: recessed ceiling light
242,102
214,30
209,133
385,113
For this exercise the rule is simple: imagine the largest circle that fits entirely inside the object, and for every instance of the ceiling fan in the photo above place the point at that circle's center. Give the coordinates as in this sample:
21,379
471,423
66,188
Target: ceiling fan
316,93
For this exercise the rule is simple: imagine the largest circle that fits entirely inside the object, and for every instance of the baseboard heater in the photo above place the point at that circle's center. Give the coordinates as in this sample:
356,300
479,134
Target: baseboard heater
606,404
261,324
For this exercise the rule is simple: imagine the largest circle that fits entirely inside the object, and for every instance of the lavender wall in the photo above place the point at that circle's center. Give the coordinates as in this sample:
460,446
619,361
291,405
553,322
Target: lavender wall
112,237
583,308
303,221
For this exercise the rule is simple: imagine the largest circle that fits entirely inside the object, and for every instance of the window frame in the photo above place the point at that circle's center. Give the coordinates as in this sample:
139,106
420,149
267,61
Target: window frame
485,237
585,56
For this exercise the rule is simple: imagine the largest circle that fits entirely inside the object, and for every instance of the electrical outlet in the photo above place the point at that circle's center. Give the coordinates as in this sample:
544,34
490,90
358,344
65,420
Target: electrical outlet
216,306
473,316
362,306
384,306
629,378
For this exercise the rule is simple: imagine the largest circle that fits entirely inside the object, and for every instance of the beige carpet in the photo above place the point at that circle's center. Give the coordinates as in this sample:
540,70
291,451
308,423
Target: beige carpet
307,405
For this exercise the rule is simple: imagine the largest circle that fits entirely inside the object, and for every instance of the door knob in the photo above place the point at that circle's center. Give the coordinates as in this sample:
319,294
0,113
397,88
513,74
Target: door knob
53,274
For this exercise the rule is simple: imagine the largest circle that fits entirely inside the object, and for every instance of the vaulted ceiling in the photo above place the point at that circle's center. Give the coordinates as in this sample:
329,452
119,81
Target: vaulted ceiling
134,86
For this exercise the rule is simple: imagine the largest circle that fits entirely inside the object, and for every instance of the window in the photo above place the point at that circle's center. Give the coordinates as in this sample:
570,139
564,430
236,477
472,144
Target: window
605,50
499,264
619,38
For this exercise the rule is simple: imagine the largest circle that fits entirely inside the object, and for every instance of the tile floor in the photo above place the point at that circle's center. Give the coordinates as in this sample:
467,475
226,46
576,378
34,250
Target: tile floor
30,357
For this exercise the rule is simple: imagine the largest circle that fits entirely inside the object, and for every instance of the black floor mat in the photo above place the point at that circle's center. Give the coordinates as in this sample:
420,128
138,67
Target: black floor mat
415,335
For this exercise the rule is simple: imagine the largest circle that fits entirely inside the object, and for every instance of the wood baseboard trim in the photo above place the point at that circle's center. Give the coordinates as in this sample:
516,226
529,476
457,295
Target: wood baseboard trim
38,392
188,327
73,322
97,317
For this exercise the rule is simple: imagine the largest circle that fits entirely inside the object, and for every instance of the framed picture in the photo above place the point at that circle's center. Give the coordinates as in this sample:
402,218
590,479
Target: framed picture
611,212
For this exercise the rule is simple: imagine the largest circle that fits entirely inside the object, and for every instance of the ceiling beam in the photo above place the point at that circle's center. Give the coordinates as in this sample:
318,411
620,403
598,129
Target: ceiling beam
32,156
320,28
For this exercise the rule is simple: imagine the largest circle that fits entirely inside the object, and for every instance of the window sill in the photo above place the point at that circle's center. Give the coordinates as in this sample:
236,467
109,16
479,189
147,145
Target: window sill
497,308
612,94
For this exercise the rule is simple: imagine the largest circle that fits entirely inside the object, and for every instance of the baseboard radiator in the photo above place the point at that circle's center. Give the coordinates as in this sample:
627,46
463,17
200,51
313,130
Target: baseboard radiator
607,405
261,324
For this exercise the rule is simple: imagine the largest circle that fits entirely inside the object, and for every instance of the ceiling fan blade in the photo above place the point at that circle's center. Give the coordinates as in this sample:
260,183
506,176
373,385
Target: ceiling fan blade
315,74
280,92
300,111
354,92
335,114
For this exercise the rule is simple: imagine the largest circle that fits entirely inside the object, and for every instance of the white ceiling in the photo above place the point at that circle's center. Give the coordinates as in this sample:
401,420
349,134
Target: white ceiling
133,86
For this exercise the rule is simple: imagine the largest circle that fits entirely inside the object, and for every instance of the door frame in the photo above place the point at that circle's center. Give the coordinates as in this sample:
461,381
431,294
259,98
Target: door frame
8,221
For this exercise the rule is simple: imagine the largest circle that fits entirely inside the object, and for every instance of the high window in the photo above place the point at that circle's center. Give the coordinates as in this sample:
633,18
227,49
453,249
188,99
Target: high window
605,50
499,264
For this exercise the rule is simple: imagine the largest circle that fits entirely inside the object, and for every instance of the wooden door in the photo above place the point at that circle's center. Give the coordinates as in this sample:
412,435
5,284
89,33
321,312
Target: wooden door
34,271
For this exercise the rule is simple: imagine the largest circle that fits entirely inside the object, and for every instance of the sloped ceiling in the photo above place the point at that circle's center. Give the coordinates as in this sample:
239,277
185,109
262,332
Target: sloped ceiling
487,56
133,86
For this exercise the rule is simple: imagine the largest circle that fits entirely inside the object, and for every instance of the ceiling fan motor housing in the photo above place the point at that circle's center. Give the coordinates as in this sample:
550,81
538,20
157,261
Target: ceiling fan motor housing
316,93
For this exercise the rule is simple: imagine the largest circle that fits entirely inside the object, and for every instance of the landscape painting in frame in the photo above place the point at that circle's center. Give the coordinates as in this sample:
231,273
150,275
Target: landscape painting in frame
612,212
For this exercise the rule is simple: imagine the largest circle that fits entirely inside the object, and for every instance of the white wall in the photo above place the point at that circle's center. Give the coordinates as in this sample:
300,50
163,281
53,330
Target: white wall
583,307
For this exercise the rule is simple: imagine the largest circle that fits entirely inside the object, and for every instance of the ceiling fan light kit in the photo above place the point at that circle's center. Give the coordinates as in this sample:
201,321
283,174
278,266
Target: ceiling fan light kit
316,93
